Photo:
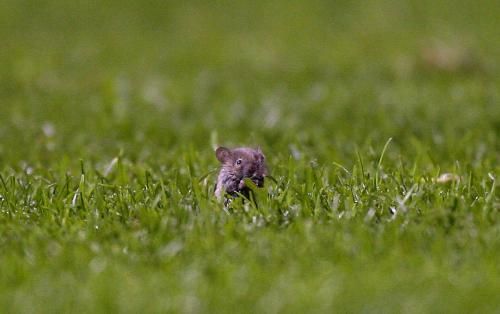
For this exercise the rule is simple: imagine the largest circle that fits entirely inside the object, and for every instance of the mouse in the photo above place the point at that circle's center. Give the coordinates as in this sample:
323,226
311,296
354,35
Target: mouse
235,165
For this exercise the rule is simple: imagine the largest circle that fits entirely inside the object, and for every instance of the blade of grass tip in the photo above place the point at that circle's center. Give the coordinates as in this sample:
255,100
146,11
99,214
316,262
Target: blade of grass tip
253,189
457,170
492,190
110,167
206,175
82,167
149,179
253,199
81,186
7,193
469,183
341,167
3,183
414,169
360,161
380,162
489,197
401,202
75,197
7,196
164,193
66,185
272,179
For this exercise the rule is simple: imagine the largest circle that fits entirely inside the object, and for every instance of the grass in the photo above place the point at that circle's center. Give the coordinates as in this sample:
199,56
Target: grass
111,112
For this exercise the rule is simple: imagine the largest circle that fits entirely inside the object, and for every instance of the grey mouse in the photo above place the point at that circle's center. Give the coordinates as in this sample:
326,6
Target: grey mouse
236,165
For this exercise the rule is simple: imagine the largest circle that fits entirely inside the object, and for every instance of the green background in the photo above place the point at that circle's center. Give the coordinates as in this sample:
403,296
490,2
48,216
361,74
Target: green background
110,113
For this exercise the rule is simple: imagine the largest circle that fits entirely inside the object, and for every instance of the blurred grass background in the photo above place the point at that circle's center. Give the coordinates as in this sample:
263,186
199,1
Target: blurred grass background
319,85
266,69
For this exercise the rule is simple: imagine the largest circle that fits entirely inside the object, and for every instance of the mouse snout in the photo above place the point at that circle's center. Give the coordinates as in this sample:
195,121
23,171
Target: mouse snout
258,180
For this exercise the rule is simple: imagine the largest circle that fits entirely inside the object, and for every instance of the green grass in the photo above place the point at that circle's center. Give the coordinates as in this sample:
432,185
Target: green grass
109,118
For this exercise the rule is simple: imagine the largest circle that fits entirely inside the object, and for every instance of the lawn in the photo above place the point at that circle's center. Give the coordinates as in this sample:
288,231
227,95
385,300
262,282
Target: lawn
110,114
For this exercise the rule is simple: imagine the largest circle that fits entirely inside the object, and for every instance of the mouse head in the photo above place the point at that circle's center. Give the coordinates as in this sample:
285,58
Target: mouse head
244,163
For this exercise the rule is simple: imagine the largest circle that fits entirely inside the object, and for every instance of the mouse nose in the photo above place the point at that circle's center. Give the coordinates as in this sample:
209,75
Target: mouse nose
258,180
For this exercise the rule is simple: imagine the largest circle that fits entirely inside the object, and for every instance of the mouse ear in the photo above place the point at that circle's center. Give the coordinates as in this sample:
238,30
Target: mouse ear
260,153
223,154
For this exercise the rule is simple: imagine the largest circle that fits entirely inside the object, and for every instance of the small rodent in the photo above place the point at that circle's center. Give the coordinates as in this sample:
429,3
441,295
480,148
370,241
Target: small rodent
236,165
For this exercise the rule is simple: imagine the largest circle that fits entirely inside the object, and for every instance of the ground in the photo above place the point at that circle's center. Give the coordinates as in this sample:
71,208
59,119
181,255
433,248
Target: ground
379,121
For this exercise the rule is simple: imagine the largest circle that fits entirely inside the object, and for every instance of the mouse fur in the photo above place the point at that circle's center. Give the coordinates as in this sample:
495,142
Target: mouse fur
236,165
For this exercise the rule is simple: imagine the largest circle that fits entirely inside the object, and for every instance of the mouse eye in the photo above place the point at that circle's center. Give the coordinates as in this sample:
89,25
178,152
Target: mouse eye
238,162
